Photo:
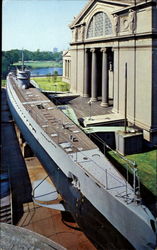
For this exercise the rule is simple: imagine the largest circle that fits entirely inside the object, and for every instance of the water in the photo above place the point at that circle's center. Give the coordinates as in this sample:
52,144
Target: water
46,71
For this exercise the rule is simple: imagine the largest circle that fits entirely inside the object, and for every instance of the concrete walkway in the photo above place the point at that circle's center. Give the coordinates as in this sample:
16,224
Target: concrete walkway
48,222
83,109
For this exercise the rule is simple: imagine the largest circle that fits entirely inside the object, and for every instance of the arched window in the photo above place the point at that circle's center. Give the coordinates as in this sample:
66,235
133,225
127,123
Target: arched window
100,25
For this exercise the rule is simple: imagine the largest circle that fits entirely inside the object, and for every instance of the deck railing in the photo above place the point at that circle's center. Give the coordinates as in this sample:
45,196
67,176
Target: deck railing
44,123
108,174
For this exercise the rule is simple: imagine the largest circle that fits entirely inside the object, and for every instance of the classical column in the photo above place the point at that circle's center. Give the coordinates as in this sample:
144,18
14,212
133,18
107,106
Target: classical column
86,86
65,68
94,76
68,68
104,102
116,79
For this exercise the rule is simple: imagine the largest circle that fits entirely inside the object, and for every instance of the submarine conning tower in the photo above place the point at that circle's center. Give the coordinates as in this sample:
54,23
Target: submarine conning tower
23,78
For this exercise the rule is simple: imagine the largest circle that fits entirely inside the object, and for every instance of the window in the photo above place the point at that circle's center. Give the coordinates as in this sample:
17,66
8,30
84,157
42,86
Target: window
100,25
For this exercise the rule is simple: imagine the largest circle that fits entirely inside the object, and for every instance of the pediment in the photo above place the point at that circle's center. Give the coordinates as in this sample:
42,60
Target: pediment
66,53
94,6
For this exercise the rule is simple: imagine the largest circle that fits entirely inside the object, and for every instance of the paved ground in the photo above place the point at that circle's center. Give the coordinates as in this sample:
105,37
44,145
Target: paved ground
82,108
48,222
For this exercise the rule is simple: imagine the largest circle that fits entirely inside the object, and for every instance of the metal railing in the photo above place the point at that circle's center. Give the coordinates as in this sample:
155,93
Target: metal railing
130,164
108,174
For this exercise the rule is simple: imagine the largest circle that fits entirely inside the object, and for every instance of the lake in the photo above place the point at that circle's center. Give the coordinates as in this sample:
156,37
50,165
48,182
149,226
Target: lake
46,71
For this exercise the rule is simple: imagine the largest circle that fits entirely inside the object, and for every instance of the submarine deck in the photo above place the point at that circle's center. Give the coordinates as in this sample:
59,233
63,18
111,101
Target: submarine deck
70,138
52,120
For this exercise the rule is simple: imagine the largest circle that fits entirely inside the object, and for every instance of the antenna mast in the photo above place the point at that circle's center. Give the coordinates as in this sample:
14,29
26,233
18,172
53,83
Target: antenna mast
125,119
22,60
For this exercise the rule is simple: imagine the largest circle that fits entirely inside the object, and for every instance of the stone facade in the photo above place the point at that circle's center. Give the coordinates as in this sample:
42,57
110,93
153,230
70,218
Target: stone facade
66,66
106,36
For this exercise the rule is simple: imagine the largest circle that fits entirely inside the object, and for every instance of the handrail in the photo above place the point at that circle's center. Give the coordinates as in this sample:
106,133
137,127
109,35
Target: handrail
132,166
76,159
130,163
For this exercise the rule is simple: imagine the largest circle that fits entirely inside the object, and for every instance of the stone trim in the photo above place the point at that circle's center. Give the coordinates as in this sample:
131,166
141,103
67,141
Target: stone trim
93,50
132,47
118,38
138,6
103,50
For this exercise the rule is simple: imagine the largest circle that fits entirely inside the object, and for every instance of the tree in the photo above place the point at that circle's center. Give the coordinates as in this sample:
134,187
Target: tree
5,65
48,77
8,58
54,76
14,56
57,56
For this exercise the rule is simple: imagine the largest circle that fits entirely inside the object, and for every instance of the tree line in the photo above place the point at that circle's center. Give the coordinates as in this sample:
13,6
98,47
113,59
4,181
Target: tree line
13,56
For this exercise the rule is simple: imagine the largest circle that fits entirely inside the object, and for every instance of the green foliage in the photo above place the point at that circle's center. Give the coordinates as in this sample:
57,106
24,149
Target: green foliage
146,166
5,66
57,56
8,58
54,76
41,64
46,84
14,57
48,77
3,82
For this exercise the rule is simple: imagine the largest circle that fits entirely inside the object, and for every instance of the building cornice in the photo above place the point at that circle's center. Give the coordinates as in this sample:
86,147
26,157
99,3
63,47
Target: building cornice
136,7
118,38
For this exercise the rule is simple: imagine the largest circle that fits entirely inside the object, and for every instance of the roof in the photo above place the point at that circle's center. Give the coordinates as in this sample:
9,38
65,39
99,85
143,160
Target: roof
66,53
91,3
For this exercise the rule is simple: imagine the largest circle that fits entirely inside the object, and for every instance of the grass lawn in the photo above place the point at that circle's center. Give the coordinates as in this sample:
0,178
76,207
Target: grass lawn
41,64
48,83
146,165
3,82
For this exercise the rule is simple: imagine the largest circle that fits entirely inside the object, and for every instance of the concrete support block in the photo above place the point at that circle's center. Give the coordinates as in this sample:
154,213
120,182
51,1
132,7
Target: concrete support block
129,143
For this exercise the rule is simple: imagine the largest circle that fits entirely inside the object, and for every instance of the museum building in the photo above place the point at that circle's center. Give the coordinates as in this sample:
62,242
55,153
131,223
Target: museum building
113,58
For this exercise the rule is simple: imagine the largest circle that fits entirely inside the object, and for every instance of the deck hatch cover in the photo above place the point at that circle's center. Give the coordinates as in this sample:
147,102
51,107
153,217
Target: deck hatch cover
40,106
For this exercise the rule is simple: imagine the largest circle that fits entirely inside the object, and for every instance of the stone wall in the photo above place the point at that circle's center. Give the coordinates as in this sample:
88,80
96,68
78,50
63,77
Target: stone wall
134,42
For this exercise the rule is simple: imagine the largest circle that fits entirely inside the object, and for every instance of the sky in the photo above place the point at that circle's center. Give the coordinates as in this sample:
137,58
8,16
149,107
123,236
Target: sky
38,24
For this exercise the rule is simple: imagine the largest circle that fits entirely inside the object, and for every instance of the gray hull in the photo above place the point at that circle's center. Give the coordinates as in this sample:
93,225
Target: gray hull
94,178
